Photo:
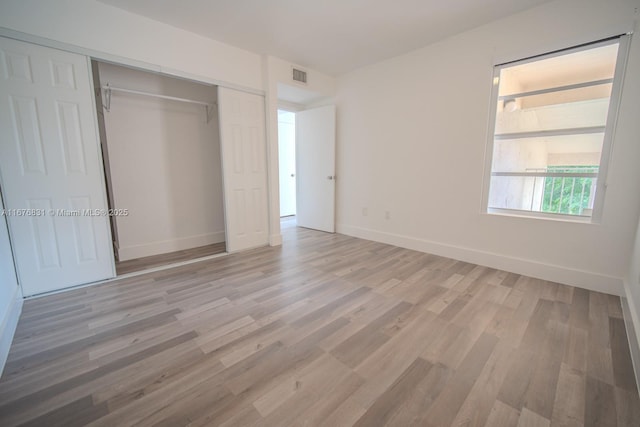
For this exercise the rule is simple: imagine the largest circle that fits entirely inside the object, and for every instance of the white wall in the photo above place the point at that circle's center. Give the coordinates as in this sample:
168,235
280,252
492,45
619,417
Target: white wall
165,165
412,133
10,295
122,36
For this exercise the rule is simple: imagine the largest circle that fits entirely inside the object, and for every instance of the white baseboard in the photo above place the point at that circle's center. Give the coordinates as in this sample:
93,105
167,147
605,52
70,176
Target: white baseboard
555,273
275,240
8,326
632,324
163,247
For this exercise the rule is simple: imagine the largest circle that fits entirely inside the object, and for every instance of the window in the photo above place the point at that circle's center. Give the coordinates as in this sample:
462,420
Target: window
552,130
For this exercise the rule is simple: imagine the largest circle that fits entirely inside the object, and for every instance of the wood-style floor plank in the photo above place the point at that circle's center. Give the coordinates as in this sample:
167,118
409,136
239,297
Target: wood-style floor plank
326,330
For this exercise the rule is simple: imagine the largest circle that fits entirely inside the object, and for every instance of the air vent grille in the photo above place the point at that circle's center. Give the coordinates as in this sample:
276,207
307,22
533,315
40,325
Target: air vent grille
299,76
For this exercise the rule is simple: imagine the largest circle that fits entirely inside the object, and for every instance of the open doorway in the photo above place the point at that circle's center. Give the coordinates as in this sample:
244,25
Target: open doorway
161,148
287,162
306,154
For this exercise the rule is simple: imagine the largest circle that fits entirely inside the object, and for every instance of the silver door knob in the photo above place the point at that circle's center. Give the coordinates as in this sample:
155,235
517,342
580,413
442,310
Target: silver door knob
330,177
292,175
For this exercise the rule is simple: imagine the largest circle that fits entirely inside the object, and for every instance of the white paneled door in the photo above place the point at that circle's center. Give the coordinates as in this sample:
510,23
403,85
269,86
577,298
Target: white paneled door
315,168
243,143
51,170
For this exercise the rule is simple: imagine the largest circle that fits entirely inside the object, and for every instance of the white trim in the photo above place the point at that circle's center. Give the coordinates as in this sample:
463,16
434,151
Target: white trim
632,325
165,246
521,213
488,148
165,267
9,325
559,46
275,239
555,273
564,51
548,174
615,99
128,275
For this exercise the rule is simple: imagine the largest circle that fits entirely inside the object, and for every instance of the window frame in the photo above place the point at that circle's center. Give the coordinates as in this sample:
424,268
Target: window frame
623,41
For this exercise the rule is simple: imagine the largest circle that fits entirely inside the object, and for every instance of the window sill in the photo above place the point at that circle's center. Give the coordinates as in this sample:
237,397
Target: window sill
541,215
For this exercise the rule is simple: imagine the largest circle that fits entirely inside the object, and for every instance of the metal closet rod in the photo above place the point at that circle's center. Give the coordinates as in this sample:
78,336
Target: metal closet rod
108,89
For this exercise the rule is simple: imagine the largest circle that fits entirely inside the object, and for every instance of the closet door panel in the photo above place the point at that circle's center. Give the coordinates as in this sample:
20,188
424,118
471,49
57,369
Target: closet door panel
243,143
51,169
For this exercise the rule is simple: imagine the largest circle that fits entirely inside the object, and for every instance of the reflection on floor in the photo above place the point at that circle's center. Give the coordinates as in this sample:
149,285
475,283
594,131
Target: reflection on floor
326,330
139,264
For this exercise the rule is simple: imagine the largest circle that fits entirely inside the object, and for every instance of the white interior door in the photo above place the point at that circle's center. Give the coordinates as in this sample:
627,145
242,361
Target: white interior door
287,162
315,168
51,169
243,144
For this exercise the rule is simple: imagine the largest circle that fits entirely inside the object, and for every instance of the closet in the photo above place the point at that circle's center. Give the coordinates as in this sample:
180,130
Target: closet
160,142
182,165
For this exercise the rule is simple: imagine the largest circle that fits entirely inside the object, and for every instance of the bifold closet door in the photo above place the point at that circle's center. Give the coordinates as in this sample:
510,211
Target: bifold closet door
244,166
51,169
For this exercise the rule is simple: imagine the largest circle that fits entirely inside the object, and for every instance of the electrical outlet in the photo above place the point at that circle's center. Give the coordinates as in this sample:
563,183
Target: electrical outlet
365,211
387,215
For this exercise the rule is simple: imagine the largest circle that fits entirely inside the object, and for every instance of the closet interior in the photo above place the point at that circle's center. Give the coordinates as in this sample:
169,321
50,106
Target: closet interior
160,142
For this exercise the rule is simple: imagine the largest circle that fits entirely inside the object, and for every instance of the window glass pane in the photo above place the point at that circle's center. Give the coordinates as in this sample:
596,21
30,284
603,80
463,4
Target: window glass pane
568,195
558,195
550,124
572,68
528,154
567,109
516,192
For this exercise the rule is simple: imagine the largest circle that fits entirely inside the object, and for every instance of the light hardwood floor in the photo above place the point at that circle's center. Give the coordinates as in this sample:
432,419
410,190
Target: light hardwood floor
326,330
140,264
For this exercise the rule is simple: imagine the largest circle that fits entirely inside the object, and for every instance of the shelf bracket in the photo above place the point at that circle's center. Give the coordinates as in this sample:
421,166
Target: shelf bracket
106,103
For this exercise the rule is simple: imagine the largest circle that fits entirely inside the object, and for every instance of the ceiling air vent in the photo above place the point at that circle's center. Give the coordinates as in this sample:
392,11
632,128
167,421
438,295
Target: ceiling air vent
299,76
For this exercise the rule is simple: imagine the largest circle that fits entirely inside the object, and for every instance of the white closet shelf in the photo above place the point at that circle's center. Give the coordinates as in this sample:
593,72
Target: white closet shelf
108,89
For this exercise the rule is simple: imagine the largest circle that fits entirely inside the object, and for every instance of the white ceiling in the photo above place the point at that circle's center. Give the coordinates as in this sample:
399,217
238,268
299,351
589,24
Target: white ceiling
331,36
